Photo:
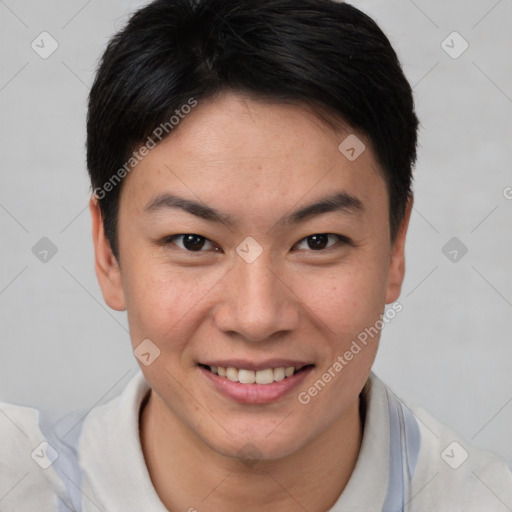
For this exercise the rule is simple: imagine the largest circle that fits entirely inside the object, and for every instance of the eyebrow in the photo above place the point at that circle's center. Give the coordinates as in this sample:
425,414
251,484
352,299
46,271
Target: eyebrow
341,202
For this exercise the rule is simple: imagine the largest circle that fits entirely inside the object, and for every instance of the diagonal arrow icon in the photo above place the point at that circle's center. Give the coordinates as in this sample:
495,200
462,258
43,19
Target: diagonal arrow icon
454,45
454,249
147,352
44,455
44,45
351,147
44,250
249,249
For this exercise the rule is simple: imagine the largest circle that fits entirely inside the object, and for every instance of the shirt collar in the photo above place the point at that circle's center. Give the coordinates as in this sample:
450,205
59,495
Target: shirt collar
115,476
367,487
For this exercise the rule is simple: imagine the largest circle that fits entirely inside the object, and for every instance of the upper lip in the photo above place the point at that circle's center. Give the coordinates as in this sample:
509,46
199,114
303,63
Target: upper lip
255,366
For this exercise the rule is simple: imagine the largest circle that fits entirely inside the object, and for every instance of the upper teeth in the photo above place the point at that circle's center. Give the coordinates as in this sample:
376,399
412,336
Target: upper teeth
266,376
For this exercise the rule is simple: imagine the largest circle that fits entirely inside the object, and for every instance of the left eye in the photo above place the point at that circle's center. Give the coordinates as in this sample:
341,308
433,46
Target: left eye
320,241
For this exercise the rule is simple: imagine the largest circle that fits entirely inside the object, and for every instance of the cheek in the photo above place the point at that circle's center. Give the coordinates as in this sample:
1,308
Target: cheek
349,303
346,300
163,300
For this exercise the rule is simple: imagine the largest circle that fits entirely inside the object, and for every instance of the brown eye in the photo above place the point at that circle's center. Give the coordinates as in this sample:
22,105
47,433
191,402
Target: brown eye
189,242
320,241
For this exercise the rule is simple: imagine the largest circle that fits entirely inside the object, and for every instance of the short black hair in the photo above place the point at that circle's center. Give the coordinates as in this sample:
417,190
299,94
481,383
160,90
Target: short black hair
323,54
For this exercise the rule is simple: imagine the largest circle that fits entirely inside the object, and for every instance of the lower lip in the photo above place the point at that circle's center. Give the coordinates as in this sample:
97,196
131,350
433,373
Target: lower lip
255,393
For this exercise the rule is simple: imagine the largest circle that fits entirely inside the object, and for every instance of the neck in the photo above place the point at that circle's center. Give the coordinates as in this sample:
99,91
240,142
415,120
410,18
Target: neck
188,475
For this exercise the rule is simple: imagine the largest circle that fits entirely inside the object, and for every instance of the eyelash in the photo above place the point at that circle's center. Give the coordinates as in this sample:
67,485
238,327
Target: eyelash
343,239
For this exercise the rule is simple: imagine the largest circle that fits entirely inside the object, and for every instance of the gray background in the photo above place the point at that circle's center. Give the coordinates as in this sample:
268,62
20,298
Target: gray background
450,348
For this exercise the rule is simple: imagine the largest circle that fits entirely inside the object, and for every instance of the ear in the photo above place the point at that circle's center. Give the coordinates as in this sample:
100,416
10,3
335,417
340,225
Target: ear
396,271
107,268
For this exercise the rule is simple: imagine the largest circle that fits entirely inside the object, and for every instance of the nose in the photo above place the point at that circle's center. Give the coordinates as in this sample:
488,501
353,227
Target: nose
257,303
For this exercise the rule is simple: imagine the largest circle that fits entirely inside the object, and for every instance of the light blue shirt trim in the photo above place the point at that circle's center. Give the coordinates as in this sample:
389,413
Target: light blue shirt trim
64,436
404,450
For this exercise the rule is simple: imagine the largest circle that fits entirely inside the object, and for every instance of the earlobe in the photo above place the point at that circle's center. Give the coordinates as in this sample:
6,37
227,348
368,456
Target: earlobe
106,265
396,271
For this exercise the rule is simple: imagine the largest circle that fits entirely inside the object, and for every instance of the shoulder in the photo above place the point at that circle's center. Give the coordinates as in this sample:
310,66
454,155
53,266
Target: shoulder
27,480
68,464
452,474
440,470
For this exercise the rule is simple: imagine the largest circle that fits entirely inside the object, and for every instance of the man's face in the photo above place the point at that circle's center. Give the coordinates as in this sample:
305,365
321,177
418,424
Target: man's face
213,299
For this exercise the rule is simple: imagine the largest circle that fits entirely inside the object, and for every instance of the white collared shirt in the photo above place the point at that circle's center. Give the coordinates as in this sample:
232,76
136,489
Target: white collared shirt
408,461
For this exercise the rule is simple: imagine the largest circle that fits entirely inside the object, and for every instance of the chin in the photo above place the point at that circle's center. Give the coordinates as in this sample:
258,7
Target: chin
258,444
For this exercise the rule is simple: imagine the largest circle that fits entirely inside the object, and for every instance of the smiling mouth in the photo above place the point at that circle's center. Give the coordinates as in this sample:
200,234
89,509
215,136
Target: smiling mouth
265,376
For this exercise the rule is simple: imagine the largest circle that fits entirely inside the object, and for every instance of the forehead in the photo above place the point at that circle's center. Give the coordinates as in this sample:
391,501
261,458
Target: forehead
254,156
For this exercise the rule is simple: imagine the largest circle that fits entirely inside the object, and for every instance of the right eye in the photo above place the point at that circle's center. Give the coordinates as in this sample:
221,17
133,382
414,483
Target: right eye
190,242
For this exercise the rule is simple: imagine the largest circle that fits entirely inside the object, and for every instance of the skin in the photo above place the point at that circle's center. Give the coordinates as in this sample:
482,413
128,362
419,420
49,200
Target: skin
256,162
